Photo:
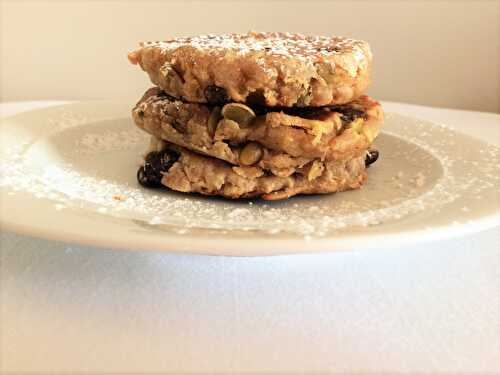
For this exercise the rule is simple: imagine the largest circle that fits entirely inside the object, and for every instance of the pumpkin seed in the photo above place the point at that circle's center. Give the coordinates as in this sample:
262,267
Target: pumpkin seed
213,120
238,112
251,154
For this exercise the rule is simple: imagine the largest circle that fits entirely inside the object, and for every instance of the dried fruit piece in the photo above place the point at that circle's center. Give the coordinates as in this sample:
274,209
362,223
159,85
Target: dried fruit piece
256,98
216,94
150,174
349,114
371,157
147,177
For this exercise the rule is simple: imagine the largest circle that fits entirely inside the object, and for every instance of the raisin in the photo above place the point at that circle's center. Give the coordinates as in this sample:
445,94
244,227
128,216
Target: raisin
147,178
350,114
307,112
256,98
371,157
304,112
216,94
150,174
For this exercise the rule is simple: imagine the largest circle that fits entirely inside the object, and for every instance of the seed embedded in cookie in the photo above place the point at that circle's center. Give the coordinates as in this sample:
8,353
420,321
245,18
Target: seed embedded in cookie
251,154
213,120
238,112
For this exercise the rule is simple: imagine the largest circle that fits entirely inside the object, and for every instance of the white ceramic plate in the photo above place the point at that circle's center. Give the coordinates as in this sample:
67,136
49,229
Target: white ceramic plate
68,173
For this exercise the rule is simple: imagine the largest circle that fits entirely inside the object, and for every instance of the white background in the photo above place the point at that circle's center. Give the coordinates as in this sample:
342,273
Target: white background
440,53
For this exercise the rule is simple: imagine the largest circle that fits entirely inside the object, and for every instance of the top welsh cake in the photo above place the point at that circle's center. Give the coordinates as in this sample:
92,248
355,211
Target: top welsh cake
264,68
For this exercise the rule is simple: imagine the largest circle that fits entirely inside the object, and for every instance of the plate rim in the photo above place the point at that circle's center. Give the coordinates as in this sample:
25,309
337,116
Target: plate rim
205,245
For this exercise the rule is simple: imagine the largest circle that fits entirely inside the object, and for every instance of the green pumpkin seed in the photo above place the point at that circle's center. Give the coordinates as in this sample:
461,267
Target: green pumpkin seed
238,112
251,154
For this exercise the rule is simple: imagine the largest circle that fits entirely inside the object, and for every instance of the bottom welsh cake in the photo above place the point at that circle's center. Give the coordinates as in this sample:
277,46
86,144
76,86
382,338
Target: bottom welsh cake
182,170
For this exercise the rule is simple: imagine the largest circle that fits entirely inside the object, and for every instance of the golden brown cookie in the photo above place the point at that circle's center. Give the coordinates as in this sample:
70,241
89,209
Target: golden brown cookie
271,138
185,171
271,69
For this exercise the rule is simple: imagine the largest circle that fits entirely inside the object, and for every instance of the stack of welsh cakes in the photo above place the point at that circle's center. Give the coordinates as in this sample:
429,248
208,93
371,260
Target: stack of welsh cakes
267,115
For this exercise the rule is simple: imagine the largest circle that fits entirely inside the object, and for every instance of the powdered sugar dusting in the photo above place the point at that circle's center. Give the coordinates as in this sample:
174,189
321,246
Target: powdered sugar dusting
109,141
284,44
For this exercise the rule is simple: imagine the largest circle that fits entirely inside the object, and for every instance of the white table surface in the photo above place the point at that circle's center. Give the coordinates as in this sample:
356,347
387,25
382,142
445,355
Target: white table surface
428,309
